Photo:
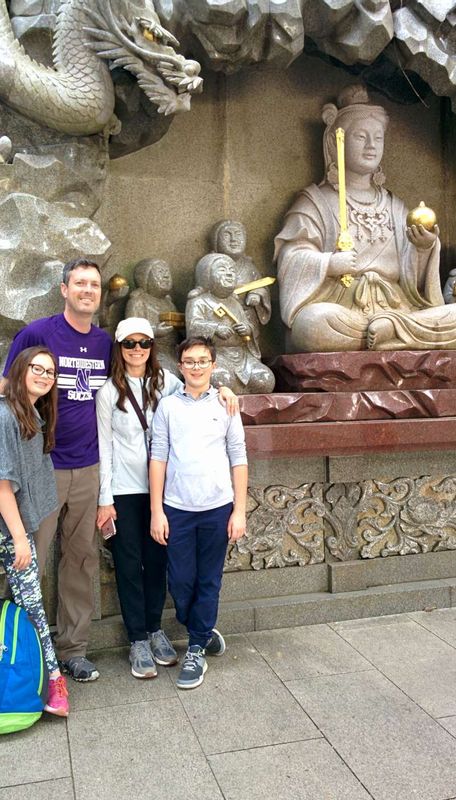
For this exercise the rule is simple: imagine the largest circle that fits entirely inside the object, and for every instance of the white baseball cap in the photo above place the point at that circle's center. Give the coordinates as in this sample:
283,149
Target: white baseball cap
133,325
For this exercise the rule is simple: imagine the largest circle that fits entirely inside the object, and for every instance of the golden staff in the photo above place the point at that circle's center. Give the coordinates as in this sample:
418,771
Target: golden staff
222,311
250,287
344,240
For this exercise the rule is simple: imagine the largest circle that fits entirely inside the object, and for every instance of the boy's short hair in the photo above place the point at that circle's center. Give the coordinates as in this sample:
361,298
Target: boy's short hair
74,264
195,341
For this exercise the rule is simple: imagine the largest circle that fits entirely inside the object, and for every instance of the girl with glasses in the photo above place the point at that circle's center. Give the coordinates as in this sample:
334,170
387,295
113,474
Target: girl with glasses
125,408
28,493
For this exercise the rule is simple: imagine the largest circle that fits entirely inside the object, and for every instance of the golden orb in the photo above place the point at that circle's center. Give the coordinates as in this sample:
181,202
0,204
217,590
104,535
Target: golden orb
422,215
117,281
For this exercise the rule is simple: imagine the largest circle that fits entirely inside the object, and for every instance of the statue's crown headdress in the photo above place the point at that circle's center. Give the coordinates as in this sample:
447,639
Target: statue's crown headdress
352,101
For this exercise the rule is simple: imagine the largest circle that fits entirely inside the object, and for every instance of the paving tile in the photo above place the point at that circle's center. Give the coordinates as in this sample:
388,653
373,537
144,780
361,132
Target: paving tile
61,789
243,704
299,771
413,658
394,748
449,723
352,624
128,751
441,621
295,653
116,685
21,754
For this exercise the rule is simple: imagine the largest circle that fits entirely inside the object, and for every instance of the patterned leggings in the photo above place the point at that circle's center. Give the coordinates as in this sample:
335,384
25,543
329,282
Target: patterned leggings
26,591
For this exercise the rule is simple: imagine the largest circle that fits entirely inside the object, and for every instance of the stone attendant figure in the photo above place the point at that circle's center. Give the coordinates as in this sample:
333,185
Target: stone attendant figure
229,237
389,296
214,311
151,298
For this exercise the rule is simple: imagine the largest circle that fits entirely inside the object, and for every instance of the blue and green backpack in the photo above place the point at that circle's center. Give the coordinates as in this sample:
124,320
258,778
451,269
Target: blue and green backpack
23,671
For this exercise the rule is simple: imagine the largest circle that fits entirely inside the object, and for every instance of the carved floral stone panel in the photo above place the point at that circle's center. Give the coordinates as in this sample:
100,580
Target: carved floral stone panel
285,527
317,522
400,517
370,519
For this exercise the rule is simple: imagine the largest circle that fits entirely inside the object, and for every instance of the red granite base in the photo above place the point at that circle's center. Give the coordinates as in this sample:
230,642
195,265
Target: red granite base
276,409
350,438
355,402
365,370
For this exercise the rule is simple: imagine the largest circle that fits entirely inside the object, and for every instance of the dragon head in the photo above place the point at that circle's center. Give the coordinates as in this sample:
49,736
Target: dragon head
130,35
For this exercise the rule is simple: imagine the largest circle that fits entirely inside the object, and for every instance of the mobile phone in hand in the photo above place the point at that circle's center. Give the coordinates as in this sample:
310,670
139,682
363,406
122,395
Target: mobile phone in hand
108,528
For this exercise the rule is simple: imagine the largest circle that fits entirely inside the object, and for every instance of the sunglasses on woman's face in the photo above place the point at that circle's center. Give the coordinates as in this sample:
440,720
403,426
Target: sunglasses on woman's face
130,344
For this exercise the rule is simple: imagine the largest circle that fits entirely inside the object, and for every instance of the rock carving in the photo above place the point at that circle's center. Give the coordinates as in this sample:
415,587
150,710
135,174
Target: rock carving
45,204
425,35
150,300
213,310
230,237
385,293
76,94
236,33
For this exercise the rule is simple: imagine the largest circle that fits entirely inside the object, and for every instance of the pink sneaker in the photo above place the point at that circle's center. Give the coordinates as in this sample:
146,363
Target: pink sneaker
58,698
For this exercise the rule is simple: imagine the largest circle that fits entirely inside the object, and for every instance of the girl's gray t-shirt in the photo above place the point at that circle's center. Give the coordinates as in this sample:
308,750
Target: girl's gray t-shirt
30,471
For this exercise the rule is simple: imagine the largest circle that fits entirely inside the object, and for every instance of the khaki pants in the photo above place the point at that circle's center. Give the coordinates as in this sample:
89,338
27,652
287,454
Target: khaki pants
78,499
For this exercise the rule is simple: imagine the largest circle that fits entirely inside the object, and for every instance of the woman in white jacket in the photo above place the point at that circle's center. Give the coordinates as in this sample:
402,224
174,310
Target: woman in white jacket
125,408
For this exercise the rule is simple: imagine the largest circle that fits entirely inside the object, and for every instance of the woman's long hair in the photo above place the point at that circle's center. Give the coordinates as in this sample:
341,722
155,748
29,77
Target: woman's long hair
153,371
18,400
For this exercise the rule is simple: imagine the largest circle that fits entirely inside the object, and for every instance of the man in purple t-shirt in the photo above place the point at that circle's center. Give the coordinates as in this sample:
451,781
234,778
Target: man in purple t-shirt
83,354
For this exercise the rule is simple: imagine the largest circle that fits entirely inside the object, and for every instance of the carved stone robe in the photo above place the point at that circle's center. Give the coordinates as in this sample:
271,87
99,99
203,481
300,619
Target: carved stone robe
394,280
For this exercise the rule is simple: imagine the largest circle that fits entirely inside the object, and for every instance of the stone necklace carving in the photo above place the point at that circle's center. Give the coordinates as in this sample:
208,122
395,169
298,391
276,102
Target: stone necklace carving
371,219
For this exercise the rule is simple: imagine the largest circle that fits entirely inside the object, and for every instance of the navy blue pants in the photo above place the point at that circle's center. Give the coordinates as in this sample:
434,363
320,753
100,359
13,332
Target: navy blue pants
140,565
196,553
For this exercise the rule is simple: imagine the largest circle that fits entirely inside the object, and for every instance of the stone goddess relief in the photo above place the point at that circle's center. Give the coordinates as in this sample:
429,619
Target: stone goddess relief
392,299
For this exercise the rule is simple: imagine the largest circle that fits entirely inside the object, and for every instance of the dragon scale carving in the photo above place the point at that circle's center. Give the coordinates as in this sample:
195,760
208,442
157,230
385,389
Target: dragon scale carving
76,95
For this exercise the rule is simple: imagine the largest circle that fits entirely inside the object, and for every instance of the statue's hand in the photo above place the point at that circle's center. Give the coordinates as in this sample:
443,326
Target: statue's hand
342,263
253,299
242,329
162,329
422,238
223,331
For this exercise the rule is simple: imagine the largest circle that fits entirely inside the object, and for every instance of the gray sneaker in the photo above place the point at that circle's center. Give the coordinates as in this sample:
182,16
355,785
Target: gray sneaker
162,649
80,669
141,660
216,645
193,668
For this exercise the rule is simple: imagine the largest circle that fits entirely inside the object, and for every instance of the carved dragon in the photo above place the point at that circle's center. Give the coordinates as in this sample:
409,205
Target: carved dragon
76,95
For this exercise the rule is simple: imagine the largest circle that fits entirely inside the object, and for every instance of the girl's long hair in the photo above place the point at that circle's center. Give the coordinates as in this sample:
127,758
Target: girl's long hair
18,400
153,371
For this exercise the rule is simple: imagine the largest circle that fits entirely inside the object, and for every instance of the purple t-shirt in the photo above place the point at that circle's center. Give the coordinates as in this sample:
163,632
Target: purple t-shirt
83,362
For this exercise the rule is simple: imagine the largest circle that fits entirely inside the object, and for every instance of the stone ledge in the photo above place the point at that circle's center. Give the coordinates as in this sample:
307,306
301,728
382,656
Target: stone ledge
289,611
352,576
274,582
351,438
318,608
110,632
246,585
